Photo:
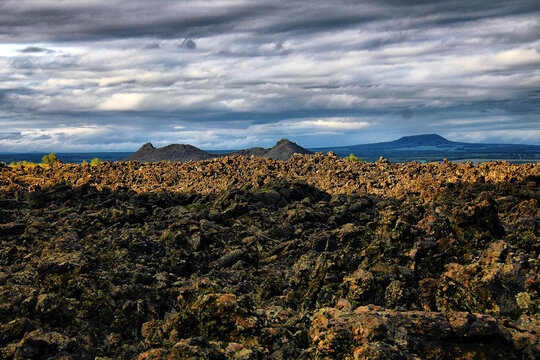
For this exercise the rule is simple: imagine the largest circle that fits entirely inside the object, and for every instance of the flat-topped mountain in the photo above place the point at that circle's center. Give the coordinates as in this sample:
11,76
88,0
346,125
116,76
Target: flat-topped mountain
283,150
435,147
421,140
426,142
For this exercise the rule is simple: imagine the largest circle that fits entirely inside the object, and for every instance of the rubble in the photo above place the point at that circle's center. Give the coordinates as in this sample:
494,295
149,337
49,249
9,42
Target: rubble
252,258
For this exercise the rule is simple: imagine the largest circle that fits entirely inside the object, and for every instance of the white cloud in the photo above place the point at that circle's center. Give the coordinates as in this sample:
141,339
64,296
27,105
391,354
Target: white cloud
339,124
122,102
268,134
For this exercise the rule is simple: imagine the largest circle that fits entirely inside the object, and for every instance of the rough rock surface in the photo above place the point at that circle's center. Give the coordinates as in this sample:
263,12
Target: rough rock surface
251,258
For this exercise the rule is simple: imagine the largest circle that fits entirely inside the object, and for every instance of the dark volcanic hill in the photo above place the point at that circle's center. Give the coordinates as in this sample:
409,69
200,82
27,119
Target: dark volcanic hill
173,152
283,150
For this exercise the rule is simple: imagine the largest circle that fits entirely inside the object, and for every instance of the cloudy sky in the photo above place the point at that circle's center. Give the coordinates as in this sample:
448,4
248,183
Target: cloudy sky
113,74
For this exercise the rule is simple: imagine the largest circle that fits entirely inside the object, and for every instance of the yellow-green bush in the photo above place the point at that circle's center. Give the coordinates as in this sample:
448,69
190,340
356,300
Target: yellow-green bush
353,158
49,159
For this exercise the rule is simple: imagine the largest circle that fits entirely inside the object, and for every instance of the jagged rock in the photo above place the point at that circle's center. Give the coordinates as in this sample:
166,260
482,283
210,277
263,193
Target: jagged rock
39,344
15,329
371,332
230,259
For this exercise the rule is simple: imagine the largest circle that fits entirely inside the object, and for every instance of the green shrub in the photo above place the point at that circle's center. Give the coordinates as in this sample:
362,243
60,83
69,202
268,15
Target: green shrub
23,163
49,159
95,161
353,158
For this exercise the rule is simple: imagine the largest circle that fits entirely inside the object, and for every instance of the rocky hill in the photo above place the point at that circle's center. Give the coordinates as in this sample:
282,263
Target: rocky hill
251,258
173,152
283,150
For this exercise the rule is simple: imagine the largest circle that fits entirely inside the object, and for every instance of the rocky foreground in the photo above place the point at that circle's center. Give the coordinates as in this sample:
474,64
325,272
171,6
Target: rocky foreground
251,258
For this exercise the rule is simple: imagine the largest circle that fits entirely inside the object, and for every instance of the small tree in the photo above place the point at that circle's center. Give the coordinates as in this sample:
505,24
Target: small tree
95,161
353,158
49,159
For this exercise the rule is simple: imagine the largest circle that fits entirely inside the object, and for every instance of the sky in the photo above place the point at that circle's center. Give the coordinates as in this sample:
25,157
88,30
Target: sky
110,75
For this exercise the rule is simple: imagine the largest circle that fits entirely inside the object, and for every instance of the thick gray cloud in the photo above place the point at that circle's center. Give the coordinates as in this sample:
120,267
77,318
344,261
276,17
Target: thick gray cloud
34,49
81,74
10,135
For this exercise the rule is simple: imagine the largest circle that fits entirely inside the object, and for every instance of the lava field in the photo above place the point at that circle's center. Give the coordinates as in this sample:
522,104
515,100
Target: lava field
252,258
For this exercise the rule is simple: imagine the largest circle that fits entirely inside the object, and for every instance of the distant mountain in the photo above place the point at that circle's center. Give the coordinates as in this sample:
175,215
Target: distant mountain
430,142
435,147
283,150
421,140
174,152
256,151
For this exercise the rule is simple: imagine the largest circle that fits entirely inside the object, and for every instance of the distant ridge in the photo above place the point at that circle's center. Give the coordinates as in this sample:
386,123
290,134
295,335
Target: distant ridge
409,142
283,150
433,142
425,139
434,147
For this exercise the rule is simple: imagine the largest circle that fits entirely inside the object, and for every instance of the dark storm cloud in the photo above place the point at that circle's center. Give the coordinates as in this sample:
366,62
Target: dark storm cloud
84,20
10,135
113,74
41,137
42,63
